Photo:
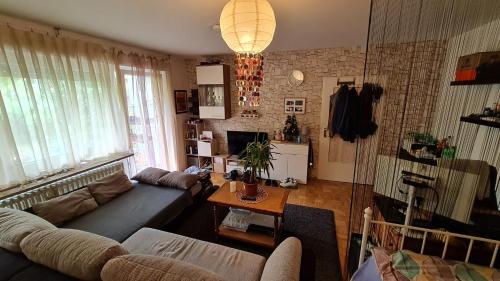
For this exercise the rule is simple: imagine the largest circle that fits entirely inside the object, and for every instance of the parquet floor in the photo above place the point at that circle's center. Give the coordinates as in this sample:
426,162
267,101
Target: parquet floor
335,196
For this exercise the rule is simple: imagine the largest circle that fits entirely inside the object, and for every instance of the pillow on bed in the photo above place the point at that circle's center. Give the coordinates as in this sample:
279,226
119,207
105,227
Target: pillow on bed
178,180
64,208
150,175
109,187
414,266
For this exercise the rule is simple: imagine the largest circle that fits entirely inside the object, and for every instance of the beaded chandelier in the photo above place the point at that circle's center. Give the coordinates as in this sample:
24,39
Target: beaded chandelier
249,78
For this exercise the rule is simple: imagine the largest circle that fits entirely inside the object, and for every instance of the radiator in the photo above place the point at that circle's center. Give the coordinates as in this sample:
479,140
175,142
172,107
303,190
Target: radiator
27,199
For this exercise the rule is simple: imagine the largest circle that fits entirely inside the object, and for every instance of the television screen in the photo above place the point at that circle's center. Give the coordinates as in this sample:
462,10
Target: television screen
237,140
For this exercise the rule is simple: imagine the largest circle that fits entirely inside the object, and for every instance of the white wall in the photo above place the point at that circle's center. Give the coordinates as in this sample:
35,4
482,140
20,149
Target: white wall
178,72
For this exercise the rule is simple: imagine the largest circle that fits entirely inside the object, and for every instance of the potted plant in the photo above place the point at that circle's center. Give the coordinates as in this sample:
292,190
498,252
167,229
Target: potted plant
256,159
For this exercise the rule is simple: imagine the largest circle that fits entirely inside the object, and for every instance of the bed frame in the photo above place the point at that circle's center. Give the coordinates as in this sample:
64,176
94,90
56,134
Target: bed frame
368,222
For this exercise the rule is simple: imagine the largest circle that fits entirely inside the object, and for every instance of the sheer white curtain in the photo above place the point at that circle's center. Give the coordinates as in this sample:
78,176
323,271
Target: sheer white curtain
151,111
60,105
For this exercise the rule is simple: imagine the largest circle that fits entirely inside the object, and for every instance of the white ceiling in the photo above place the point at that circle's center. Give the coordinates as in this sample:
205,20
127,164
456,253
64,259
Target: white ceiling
184,27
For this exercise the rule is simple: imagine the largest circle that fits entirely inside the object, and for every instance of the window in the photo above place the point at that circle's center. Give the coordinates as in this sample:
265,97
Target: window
152,146
57,110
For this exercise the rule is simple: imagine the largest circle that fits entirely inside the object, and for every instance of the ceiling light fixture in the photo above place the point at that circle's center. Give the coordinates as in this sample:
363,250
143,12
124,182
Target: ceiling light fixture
247,27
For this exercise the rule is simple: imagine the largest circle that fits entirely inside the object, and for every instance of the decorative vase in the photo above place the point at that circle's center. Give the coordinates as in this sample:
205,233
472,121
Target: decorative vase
250,189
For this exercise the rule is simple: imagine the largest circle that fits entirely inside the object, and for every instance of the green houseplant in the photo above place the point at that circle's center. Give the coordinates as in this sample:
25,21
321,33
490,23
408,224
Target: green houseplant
257,158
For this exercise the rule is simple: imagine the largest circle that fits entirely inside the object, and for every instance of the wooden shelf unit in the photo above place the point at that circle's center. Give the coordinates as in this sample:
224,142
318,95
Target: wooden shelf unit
192,133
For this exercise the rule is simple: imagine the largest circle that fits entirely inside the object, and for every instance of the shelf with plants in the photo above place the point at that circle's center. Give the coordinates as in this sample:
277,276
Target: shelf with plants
483,121
474,82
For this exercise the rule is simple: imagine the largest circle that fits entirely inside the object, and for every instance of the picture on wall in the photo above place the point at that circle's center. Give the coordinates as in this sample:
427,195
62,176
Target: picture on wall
295,106
181,101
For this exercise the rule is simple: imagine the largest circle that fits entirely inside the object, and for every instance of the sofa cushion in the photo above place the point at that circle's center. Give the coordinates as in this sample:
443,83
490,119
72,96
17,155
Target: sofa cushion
66,207
146,267
109,187
143,205
150,175
15,225
224,261
284,262
39,272
178,180
12,263
76,253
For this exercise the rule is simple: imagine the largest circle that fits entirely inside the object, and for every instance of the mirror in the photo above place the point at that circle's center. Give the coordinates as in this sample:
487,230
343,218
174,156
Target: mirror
296,78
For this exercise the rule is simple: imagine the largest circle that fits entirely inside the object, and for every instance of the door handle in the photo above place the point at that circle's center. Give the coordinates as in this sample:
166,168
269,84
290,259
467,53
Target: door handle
324,132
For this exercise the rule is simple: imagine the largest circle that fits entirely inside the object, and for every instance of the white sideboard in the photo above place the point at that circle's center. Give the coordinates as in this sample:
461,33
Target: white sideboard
290,161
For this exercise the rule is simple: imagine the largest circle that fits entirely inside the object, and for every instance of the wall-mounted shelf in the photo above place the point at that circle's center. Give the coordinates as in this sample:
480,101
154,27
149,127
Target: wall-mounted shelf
474,82
405,155
479,121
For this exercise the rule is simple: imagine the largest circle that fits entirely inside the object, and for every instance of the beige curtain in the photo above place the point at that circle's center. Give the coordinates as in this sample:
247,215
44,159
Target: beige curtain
60,105
151,111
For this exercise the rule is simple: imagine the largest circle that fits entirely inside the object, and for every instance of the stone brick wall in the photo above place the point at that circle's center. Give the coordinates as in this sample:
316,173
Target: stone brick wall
315,64
410,74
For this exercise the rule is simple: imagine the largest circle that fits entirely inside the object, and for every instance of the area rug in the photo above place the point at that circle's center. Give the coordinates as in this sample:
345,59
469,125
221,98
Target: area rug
314,227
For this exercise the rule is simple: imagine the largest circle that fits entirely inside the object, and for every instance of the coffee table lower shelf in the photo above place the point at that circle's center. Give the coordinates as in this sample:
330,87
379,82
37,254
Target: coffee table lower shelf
250,237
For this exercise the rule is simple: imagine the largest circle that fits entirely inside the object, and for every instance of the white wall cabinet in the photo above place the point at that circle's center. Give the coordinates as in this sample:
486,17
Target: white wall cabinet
290,161
214,91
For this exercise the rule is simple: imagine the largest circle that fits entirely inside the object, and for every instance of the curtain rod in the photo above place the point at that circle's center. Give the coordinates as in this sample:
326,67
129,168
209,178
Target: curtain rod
27,25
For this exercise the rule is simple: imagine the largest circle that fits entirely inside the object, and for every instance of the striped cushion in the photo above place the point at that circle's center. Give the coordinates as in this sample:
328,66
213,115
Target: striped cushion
153,268
15,225
73,252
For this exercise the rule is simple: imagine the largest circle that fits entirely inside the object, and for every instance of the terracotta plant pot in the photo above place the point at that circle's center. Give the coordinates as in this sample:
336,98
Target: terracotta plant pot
250,189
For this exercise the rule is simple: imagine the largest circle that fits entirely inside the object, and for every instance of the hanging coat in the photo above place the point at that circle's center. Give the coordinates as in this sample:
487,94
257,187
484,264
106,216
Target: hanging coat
366,125
337,108
350,118
333,99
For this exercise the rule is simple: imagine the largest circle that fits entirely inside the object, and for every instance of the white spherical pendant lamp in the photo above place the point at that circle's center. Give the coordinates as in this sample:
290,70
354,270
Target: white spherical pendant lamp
247,26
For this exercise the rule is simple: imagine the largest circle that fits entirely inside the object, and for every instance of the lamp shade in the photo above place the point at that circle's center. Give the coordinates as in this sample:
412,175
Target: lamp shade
247,26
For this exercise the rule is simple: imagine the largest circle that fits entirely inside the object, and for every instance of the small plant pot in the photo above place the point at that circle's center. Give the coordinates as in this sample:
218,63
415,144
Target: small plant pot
250,189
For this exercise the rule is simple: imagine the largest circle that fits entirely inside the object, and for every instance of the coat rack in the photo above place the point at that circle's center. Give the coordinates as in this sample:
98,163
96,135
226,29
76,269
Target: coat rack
346,82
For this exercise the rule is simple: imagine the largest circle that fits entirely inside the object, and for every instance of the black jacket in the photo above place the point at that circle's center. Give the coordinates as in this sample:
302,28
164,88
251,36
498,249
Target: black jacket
345,116
366,125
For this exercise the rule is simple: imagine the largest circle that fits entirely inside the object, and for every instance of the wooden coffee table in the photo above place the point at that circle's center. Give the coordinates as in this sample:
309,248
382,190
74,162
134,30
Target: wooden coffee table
273,205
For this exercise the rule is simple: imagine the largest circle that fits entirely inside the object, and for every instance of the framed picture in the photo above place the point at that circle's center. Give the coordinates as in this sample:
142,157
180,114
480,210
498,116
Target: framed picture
181,101
295,106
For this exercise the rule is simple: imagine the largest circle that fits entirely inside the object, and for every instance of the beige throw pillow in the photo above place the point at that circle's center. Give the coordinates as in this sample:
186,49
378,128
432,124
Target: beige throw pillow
110,187
150,175
153,268
73,252
15,225
66,207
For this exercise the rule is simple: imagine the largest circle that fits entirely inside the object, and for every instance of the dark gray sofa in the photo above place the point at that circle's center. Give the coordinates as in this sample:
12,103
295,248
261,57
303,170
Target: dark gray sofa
143,206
